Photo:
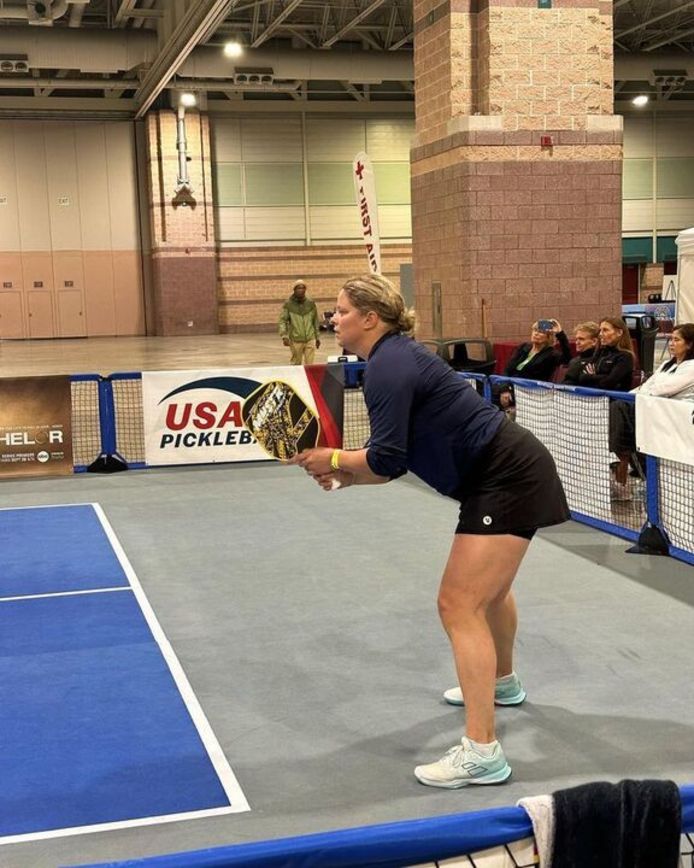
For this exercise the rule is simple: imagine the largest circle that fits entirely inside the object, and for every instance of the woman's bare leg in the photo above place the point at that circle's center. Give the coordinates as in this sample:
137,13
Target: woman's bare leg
502,617
621,472
478,578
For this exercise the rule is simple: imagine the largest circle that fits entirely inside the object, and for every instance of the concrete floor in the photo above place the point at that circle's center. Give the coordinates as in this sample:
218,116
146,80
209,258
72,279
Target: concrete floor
306,624
107,355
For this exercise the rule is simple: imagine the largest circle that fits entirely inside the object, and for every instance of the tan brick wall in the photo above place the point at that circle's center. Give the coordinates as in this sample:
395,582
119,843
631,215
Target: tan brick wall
529,238
184,277
568,77
651,280
501,222
254,282
535,68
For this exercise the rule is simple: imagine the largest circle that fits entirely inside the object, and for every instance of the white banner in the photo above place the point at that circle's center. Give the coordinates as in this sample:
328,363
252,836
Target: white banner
365,194
685,290
665,428
194,417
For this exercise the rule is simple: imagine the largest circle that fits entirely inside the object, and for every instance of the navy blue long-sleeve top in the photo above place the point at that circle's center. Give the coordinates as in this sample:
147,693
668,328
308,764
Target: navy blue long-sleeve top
424,417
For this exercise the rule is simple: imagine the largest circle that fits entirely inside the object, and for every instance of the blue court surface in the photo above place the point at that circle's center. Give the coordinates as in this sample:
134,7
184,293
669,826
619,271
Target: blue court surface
99,725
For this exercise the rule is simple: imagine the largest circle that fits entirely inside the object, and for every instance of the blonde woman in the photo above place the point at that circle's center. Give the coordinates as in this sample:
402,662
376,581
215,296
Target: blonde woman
612,366
427,419
587,337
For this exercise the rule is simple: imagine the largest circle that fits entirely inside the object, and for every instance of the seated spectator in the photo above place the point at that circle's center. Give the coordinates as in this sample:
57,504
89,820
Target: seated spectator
538,359
587,336
673,379
612,366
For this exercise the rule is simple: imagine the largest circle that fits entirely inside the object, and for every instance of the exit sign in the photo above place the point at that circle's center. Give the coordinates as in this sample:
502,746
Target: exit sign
544,4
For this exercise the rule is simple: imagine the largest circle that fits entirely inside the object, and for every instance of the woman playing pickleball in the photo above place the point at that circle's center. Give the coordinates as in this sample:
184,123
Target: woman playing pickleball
426,418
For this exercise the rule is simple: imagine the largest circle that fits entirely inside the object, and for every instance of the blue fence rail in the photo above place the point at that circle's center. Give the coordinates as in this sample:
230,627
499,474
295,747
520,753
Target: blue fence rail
387,845
573,421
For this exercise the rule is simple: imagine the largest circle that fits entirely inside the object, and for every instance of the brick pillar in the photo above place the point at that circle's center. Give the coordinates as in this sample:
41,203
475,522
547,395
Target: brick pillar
504,224
184,261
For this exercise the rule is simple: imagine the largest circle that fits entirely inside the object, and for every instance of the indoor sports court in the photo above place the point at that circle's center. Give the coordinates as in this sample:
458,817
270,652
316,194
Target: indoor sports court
206,658
308,662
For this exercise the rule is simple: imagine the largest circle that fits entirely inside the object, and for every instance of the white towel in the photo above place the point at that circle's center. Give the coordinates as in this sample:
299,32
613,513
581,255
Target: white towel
540,809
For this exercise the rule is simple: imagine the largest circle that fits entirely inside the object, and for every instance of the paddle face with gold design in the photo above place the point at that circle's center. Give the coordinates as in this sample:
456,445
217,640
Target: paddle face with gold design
280,420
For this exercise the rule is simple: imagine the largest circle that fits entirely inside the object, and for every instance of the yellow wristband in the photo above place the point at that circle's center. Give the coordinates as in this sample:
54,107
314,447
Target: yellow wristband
335,460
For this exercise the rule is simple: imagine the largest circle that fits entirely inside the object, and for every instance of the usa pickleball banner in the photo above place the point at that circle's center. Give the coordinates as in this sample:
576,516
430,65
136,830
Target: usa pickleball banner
195,417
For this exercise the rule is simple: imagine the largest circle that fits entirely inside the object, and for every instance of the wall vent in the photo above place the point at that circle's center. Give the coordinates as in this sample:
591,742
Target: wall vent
14,64
260,75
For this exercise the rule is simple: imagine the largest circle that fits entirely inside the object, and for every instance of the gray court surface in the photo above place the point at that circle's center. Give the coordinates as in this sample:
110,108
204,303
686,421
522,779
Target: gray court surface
306,623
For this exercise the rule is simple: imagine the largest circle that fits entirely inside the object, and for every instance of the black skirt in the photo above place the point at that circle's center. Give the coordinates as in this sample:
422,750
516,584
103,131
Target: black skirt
515,488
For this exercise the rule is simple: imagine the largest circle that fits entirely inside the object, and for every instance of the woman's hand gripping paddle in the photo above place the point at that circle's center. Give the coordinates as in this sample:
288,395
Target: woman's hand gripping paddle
281,422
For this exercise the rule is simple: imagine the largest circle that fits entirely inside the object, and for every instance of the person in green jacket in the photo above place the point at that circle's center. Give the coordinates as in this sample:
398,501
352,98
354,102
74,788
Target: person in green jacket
299,325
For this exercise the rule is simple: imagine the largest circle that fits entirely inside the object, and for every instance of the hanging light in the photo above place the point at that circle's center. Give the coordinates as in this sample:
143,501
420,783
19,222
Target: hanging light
233,48
641,100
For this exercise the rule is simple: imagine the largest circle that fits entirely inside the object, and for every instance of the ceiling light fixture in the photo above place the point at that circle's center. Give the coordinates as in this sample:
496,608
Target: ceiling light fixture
233,48
641,100
188,99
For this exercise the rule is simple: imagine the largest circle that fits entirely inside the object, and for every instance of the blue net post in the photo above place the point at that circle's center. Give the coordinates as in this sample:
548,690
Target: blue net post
109,461
652,490
652,539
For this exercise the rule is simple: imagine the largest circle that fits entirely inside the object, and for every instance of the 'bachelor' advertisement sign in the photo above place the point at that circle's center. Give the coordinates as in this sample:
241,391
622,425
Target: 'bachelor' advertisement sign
35,426
193,417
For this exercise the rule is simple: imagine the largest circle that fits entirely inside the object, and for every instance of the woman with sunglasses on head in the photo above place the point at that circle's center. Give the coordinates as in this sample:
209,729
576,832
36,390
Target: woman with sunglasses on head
426,418
539,358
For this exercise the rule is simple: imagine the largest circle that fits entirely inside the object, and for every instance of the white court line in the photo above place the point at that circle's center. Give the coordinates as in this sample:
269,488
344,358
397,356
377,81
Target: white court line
224,772
121,824
65,594
42,506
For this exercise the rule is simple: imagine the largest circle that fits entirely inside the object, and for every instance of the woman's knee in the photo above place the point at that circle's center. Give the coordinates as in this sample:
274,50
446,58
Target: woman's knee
456,607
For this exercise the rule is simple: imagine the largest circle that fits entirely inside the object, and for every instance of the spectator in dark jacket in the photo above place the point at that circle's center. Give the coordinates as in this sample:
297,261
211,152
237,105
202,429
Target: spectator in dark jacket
612,366
587,337
538,359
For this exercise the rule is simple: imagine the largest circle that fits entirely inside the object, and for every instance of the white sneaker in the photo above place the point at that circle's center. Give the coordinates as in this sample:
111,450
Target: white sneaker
505,693
463,765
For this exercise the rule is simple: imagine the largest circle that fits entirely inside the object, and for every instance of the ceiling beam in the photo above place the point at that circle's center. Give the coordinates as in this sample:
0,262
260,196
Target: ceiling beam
378,107
408,37
302,36
272,27
147,13
659,44
681,8
57,83
353,91
198,18
65,107
123,13
391,26
372,7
